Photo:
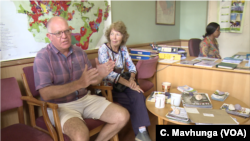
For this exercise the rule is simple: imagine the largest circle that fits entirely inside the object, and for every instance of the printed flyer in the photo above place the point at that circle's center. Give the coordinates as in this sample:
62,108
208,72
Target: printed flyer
231,15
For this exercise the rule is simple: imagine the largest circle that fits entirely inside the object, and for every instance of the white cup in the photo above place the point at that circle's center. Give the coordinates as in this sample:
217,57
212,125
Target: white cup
166,86
175,99
160,101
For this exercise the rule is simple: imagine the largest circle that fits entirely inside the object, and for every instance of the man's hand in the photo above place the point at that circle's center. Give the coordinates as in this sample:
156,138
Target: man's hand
88,77
104,69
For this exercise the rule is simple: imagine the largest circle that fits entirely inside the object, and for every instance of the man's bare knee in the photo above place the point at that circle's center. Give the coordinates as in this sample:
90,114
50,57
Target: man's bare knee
76,129
115,114
122,115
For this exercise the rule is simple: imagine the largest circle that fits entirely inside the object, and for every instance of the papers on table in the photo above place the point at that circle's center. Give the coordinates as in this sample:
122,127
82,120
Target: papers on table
232,60
186,88
209,116
168,61
206,59
181,116
244,112
196,100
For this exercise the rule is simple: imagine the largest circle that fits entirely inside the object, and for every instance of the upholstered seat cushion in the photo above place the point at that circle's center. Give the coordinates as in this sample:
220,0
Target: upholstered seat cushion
21,132
145,84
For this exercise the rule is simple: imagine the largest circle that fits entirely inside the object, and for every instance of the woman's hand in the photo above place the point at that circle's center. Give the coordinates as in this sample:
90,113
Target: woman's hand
132,83
137,88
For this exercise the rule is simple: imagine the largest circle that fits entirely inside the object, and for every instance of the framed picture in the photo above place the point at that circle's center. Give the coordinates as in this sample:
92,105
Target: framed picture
165,12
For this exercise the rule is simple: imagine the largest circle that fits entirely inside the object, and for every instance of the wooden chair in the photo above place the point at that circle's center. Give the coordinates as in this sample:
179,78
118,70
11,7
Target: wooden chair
146,70
94,126
11,98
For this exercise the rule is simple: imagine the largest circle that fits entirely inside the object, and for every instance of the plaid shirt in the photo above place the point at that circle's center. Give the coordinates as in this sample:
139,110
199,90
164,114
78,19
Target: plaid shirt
53,68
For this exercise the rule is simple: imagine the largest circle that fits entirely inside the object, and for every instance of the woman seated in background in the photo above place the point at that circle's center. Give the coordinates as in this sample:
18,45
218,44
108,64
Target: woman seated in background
209,46
132,97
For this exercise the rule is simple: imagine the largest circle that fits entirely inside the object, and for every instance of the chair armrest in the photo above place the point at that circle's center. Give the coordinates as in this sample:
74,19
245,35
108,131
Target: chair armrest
34,102
106,91
101,87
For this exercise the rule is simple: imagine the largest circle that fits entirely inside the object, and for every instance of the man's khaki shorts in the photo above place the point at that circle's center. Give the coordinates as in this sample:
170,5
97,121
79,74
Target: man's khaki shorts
89,106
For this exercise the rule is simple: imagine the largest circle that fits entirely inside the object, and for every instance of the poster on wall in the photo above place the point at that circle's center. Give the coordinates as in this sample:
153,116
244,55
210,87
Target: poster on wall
231,15
23,25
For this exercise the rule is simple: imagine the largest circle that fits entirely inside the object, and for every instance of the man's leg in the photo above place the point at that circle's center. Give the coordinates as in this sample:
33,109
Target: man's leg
116,117
71,122
76,129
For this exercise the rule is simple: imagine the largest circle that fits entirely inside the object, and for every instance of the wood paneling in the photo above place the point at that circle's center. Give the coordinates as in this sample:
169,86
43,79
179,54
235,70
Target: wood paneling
234,82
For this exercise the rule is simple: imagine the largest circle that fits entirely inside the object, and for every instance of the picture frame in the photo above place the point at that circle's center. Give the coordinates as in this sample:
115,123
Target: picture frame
165,12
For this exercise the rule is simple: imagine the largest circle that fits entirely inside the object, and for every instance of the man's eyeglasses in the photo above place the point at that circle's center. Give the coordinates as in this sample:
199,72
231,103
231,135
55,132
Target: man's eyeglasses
59,34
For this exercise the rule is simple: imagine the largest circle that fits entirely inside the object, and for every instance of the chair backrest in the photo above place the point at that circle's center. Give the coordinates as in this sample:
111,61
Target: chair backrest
11,98
146,68
93,63
29,73
194,47
10,94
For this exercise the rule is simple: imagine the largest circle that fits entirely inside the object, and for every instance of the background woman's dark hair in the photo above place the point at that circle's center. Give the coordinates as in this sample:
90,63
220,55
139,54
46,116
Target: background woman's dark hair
211,27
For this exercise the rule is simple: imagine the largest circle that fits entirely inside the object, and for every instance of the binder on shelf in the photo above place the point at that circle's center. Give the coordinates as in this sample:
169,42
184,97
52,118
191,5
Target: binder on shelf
140,57
168,49
142,51
169,56
152,55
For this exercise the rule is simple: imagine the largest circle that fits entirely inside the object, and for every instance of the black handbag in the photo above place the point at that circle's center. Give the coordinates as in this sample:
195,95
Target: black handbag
120,87
126,75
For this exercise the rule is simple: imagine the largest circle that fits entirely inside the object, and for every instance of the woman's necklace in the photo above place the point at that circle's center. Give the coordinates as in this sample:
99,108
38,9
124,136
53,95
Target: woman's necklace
114,55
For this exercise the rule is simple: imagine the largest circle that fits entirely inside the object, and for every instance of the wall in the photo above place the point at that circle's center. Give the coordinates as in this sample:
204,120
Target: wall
141,21
139,17
231,43
193,19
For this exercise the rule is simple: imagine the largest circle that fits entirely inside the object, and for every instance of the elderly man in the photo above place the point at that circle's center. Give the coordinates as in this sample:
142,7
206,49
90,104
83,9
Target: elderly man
62,74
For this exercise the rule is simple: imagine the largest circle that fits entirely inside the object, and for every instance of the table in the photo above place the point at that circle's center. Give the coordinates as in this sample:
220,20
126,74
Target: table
161,113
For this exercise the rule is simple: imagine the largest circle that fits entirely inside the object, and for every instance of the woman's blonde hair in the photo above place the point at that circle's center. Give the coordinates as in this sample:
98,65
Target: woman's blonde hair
120,27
